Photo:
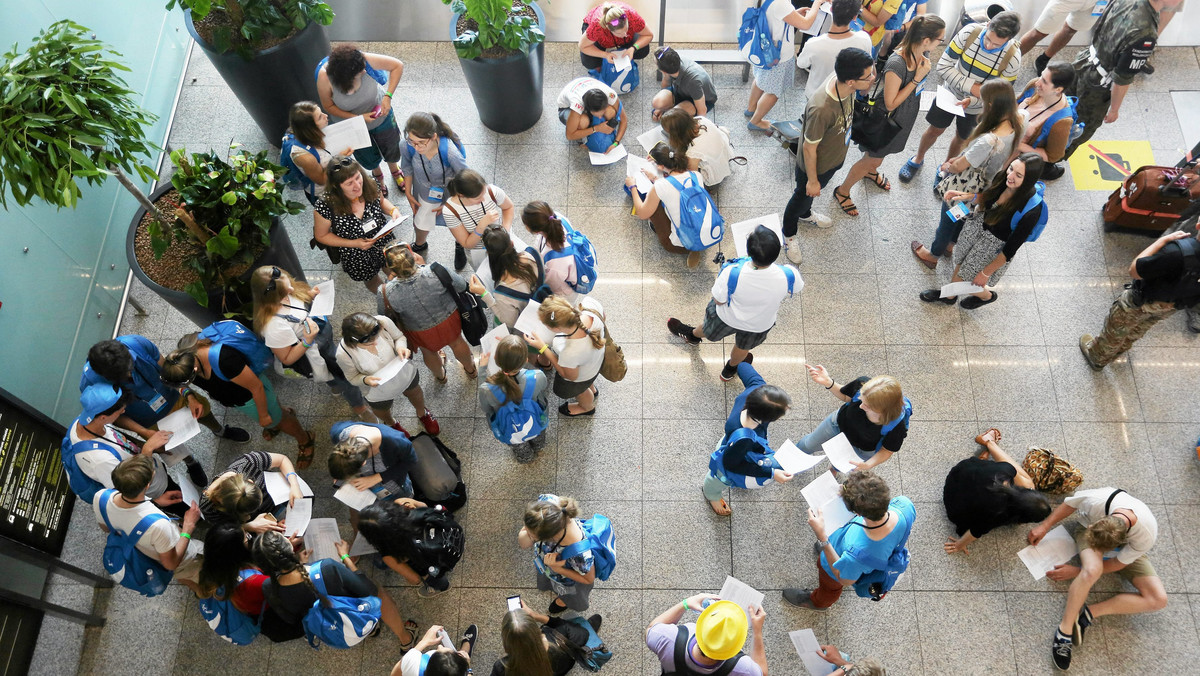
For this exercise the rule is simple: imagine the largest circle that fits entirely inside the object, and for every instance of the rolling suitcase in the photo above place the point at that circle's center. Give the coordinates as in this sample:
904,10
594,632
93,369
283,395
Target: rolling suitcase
1152,198
437,476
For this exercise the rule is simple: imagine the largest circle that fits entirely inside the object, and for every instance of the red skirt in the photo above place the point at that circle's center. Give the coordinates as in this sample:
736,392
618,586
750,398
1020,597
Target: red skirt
439,336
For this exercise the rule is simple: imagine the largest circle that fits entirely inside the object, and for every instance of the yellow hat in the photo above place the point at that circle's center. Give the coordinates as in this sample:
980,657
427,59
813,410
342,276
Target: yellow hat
721,630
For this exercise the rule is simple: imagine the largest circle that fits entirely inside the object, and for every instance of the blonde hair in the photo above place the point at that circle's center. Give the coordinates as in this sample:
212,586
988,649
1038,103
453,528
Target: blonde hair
266,303
613,17
1107,533
399,261
236,497
511,355
546,518
557,313
883,394
348,456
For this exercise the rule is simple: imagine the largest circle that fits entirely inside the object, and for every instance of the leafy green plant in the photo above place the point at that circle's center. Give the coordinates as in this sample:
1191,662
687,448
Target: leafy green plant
499,25
227,207
245,25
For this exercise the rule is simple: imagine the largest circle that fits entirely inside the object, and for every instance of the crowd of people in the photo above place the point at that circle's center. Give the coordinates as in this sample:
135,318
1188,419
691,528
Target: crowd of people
527,307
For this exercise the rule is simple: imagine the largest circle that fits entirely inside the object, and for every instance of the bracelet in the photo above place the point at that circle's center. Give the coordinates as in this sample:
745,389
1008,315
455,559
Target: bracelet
823,543
344,557
485,293
832,382
543,349
388,94
291,474
305,344
685,605
186,535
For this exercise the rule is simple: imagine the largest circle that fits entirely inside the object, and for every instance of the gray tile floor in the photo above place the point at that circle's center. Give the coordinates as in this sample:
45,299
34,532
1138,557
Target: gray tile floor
640,460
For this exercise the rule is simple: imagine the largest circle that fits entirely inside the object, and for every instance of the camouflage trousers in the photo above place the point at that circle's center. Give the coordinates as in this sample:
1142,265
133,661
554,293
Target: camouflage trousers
1124,324
1090,110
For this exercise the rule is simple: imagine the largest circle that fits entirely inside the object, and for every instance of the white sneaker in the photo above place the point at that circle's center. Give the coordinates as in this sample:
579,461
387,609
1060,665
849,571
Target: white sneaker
818,219
791,246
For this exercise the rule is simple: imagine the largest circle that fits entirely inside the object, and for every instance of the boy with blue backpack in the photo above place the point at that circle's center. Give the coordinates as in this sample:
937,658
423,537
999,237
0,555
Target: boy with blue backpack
767,38
745,300
514,399
1051,124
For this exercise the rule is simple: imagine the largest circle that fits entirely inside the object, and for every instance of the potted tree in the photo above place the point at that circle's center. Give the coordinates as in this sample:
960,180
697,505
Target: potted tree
265,50
500,46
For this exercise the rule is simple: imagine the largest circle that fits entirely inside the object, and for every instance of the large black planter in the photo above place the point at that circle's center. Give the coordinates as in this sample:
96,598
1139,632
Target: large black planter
274,79
508,91
279,252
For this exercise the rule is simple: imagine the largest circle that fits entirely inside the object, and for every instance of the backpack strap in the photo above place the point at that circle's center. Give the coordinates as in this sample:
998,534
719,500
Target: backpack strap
735,271
520,295
443,276
318,581
319,68
791,279
682,638
530,386
1108,503
144,525
1057,115
584,545
106,497
214,359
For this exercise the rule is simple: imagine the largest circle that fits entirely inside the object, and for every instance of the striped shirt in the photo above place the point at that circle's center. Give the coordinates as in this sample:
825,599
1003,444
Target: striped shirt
966,63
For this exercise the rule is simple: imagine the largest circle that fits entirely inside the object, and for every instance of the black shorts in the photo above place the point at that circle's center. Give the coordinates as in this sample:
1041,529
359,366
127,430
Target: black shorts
680,97
942,119
715,329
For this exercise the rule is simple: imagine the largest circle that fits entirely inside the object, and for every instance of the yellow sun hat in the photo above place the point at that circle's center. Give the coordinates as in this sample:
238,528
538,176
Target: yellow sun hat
721,630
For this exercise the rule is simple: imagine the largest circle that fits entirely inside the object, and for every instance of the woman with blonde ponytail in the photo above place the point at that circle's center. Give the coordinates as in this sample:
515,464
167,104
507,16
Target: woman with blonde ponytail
506,389
610,30
576,353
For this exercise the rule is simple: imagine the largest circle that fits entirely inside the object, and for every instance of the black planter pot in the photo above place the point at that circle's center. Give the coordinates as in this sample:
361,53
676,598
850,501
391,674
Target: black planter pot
274,79
508,91
279,252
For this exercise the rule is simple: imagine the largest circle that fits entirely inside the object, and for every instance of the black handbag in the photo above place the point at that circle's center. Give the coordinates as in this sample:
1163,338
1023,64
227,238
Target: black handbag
873,126
470,308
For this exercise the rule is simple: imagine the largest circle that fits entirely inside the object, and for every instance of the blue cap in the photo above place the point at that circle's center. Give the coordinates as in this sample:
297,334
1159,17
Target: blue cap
97,399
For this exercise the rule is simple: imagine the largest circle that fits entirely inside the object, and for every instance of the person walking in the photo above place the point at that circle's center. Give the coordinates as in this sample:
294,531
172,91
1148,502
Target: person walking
874,417
771,79
551,525
819,53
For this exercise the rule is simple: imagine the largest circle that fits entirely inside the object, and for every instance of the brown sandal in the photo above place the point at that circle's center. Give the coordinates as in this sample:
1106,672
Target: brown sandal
304,456
979,439
847,204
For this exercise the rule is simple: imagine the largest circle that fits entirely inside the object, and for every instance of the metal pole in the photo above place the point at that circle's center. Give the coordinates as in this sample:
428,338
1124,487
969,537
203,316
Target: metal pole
52,564
662,20
52,609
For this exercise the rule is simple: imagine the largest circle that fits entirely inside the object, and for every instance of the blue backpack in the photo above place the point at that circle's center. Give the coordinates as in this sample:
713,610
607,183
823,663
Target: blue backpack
517,422
621,81
230,623
599,142
701,225
295,177
883,575
1036,199
578,245
754,38
739,263
125,562
234,334
1076,126
379,76
339,621
591,655
762,458
598,537
83,485
891,425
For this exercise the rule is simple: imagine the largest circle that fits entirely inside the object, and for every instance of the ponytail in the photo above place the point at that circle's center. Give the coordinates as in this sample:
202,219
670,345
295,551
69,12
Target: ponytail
540,219
557,313
674,160
425,125
511,355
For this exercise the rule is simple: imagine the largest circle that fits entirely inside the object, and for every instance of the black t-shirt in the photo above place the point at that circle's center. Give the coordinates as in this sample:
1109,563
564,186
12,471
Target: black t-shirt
228,393
1161,274
560,660
861,432
970,503
292,602
252,466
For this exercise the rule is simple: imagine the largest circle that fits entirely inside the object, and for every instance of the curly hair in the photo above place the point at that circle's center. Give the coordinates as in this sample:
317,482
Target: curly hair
345,63
866,494
340,169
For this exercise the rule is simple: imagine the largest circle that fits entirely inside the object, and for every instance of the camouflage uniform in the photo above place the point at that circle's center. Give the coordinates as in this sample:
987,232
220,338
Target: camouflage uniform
1122,41
1124,324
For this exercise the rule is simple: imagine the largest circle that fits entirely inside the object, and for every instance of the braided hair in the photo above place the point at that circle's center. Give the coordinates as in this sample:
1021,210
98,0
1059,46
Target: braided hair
557,313
275,556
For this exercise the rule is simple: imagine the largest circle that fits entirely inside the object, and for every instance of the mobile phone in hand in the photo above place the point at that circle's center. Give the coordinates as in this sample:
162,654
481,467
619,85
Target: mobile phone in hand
446,640
514,603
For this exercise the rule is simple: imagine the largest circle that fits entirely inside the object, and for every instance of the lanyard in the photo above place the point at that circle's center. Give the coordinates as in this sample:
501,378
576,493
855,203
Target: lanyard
483,212
1045,110
426,171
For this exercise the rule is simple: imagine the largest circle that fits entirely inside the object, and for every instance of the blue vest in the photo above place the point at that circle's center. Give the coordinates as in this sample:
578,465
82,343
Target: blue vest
147,386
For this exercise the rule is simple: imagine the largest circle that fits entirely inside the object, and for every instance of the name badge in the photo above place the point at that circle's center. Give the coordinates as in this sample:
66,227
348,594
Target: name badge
437,194
957,212
1099,7
158,403
368,226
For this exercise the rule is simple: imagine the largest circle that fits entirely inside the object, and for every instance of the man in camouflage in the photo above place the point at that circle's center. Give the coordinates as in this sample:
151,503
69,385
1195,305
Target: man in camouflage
1166,277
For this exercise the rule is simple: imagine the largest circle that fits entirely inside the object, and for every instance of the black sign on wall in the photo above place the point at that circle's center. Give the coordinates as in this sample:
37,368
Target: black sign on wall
35,499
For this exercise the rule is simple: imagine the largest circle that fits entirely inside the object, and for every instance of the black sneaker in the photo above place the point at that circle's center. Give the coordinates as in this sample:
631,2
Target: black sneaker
1041,61
1061,651
460,257
800,597
730,370
469,637
1081,625
595,621
935,296
682,330
1053,171
195,472
555,609
235,434
420,248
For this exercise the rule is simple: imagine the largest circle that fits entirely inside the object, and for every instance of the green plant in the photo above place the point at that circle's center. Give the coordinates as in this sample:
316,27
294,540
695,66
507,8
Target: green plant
228,208
66,116
499,25
244,25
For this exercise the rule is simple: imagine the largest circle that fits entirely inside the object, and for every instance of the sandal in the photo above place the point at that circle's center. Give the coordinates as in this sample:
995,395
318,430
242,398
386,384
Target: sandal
411,627
878,180
304,456
979,439
909,170
972,302
442,380
717,510
398,177
847,204
383,189
916,247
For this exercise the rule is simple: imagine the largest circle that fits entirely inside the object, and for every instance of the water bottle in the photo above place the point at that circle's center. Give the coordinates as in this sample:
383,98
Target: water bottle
705,603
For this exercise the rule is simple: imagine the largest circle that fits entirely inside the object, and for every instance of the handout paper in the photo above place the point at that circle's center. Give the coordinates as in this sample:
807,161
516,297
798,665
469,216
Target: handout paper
322,537
390,226
740,593
1057,547
634,166
741,231
322,305
823,22
298,516
652,137
956,288
622,63
174,456
528,323
488,343
948,102
841,454
612,155
824,494
927,98
795,460
389,370
389,386
182,426
425,219
354,498
188,491
809,651
351,133
361,547
280,491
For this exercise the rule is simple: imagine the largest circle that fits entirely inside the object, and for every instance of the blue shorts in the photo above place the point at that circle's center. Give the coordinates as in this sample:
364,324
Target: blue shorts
273,408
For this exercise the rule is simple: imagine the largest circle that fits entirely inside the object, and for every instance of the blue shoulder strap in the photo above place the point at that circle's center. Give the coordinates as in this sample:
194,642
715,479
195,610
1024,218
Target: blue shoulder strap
895,423
791,279
1034,201
578,548
106,497
144,525
530,386
312,151
1050,122
674,182
320,65
214,360
497,393
735,271
314,575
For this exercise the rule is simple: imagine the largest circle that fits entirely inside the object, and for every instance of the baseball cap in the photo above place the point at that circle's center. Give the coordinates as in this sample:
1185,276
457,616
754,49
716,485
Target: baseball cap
721,630
97,399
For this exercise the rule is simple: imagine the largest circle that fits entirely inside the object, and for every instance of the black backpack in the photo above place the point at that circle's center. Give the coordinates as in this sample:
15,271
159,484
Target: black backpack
435,461
1184,291
441,543
681,665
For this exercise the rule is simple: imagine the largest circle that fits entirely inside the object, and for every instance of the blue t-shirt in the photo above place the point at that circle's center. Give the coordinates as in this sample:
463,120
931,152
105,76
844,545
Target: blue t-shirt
907,10
153,399
852,544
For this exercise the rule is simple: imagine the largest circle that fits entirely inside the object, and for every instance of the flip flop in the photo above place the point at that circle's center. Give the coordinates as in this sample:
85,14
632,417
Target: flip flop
724,504
909,170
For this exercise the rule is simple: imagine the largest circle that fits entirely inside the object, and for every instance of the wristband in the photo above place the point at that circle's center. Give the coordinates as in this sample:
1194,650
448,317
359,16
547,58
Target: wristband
344,557
485,293
186,535
543,349
831,384
685,605
388,94
291,474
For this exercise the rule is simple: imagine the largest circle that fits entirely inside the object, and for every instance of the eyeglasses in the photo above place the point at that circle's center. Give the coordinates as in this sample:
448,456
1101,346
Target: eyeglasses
275,273
369,338
418,141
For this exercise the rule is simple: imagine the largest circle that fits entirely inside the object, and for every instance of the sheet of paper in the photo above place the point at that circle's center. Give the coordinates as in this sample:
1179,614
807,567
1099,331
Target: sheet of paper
948,102
183,426
351,133
634,166
425,219
824,494
297,517
740,593
487,345
795,460
361,547
280,491
188,491
841,454
390,386
1057,547
390,370
927,98
612,155
322,537
390,226
652,137
623,63
957,288
354,498
174,456
823,22
741,231
529,323
808,648
322,305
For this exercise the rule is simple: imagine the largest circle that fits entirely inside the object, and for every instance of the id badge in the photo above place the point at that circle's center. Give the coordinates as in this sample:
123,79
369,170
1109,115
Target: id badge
158,403
368,226
436,194
957,212
849,130
1098,8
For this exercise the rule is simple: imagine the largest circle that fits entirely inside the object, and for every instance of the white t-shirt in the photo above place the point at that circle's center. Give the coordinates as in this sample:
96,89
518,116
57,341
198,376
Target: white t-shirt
712,148
579,352
279,332
757,297
1090,506
572,95
780,29
819,54
161,537
670,197
99,464
459,216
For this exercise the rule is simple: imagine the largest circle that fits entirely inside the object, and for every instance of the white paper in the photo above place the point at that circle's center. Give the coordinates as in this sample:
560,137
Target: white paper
322,537
389,370
1056,548
634,166
322,305
841,454
351,133
182,425
298,516
528,323
825,494
488,343
822,23
793,460
948,102
354,498
173,457
956,288
446,641
652,137
809,649
361,547
425,219
740,593
612,155
741,231
621,63
280,491
390,226
389,386
927,98
188,491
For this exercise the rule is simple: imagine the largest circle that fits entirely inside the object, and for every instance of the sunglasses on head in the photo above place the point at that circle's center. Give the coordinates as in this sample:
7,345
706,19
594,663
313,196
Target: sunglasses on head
367,338
185,383
340,161
275,273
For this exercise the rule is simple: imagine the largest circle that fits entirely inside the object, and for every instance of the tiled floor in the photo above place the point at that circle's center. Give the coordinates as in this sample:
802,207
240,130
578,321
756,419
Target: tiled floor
640,460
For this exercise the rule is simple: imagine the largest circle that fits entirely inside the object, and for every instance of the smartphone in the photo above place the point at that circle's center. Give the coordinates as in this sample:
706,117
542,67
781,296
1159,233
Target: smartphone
514,603
446,640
